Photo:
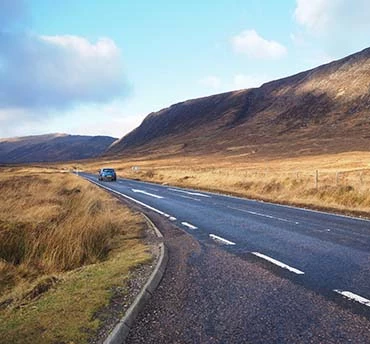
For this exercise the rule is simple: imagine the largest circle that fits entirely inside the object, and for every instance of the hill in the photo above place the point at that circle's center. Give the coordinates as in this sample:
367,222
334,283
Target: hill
52,147
325,109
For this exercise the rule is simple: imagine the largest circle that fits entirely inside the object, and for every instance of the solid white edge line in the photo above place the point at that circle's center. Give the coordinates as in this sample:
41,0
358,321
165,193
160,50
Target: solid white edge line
130,198
222,240
354,297
189,225
278,263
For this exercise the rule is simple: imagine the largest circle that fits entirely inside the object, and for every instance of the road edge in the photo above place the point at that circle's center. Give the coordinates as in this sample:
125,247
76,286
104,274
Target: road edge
122,328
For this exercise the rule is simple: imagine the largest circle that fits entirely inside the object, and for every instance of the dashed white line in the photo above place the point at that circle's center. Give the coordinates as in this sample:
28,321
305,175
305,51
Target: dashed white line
192,198
146,193
278,263
172,218
221,240
155,190
189,225
354,297
264,215
190,193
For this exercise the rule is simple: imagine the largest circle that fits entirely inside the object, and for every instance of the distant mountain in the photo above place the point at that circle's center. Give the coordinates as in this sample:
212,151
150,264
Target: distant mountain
52,147
326,109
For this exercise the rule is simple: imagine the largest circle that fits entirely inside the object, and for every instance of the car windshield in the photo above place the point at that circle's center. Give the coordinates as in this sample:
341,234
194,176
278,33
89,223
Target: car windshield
108,170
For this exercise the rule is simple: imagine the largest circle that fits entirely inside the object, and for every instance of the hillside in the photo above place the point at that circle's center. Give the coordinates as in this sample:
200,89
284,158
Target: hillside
52,147
325,109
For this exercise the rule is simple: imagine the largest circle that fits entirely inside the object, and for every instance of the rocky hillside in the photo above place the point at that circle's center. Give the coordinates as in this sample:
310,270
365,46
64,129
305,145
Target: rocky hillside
53,147
326,109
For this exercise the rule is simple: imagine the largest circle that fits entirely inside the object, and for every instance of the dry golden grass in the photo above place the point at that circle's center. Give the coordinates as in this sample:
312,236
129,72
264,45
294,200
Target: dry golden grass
64,243
343,179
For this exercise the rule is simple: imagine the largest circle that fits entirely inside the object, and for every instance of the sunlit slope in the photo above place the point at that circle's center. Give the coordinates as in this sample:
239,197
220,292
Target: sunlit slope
325,109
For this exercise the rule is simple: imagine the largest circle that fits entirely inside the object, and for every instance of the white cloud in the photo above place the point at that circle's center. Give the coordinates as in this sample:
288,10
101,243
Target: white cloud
314,14
249,42
41,77
249,81
113,119
211,81
59,72
324,16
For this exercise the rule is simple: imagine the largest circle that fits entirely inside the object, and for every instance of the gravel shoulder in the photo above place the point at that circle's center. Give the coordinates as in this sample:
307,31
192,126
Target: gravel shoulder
209,295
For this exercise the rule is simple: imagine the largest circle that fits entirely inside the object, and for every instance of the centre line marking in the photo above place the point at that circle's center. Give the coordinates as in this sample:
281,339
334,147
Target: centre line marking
155,190
188,197
190,193
264,215
146,193
278,263
354,297
222,240
189,225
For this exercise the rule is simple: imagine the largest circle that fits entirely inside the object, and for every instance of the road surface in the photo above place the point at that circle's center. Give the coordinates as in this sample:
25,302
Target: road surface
327,253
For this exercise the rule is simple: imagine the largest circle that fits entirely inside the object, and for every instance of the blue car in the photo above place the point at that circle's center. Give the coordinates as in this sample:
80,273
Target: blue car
107,174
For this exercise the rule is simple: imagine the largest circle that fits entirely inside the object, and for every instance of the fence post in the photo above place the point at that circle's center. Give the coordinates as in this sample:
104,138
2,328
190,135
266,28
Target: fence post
317,179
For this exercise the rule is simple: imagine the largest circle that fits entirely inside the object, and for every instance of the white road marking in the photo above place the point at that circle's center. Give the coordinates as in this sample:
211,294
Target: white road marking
354,297
155,190
172,218
189,225
264,215
146,193
192,198
130,198
190,193
278,263
222,240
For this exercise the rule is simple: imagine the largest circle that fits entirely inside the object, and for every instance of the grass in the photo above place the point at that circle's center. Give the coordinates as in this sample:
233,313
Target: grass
64,246
343,179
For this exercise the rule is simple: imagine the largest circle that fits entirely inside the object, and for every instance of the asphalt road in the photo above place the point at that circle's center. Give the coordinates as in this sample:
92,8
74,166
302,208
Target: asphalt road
327,253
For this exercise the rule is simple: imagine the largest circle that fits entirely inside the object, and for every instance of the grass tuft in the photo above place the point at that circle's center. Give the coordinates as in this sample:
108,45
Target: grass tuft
64,244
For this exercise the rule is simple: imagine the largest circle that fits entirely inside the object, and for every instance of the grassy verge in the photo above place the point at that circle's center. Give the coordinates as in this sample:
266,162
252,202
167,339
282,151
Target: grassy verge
65,245
342,184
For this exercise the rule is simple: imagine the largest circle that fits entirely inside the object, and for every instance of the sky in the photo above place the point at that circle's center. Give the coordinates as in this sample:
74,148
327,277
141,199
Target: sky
99,67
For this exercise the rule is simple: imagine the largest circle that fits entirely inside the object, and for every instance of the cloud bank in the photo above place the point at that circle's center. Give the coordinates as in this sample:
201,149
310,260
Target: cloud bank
41,75
250,43
326,16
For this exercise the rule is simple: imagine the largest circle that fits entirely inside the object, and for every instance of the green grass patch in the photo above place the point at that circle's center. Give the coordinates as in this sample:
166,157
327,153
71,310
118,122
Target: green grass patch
66,312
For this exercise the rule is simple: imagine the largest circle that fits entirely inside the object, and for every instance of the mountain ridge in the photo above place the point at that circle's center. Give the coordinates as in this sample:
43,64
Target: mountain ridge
52,148
308,109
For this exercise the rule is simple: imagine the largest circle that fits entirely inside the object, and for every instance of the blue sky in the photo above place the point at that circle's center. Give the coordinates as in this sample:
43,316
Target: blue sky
99,67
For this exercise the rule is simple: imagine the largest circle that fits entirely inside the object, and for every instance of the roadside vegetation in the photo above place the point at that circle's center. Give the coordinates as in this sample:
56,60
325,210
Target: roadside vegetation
341,184
65,245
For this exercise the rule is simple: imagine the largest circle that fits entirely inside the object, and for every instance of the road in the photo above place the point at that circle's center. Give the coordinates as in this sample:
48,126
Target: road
327,253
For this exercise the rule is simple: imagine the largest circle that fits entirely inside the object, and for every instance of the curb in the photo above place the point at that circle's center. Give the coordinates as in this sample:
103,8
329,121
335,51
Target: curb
121,330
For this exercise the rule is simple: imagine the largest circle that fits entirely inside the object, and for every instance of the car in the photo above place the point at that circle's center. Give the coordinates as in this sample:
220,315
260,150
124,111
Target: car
107,174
